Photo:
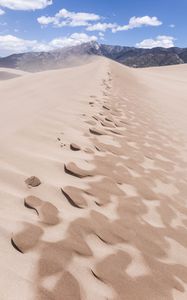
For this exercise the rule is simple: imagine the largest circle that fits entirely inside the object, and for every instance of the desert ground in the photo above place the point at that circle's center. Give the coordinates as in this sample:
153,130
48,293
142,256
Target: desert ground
93,168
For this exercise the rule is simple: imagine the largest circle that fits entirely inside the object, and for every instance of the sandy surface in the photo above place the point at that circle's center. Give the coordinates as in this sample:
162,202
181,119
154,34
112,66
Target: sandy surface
93,188
6,73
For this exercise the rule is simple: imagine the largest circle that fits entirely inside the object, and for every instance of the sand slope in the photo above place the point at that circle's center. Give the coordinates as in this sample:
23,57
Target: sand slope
105,215
6,73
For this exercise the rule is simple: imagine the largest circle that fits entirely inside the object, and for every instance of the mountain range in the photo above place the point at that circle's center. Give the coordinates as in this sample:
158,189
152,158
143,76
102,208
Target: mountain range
130,56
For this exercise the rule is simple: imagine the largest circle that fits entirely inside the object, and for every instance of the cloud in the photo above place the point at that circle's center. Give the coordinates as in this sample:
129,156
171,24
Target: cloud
25,4
136,22
101,26
14,44
160,41
1,12
11,44
73,19
101,36
68,18
172,25
45,20
73,40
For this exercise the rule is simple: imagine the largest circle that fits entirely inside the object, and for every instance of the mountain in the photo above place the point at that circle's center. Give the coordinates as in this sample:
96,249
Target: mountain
135,57
130,56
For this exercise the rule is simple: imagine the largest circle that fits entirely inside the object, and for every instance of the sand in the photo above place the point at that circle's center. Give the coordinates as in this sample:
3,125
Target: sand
6,73
93,186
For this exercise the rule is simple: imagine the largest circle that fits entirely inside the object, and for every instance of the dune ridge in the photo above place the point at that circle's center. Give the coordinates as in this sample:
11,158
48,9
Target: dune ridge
7,74
108,219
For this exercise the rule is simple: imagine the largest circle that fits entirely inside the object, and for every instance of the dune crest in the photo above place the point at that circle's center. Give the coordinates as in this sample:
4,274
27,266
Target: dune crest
104,216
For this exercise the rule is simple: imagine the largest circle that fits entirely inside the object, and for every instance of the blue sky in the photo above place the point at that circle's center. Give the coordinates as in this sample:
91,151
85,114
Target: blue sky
34,25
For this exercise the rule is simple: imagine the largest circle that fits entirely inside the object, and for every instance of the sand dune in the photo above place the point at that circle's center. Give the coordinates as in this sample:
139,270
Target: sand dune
6,73
93,187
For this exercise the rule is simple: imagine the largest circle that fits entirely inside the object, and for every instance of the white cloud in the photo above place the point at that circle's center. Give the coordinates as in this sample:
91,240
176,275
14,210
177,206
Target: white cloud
160,41
136,22
73,19
14,44
68,18
73,40
11,44
25,4
45,20
101,36
100,26
1,12
172,25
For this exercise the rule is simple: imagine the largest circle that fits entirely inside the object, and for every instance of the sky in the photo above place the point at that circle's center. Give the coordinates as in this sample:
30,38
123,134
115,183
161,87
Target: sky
45,25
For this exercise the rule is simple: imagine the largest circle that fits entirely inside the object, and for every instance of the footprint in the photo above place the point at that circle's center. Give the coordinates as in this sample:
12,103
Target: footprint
96,131
98,149
33,181
27,239
107,124
108,119
32,202
89,151
74,196
118,124
75,147
66,288
95,118
97,277
106,107
74,170
91,122
47,212
114,131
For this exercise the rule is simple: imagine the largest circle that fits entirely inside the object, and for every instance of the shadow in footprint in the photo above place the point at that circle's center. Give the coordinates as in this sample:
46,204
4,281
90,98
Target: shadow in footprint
96,131
74,170
15,246
47,212
70,200
75,147
27,239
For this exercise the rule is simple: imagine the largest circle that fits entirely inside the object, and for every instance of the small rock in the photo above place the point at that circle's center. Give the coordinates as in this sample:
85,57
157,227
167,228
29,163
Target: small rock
33,181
